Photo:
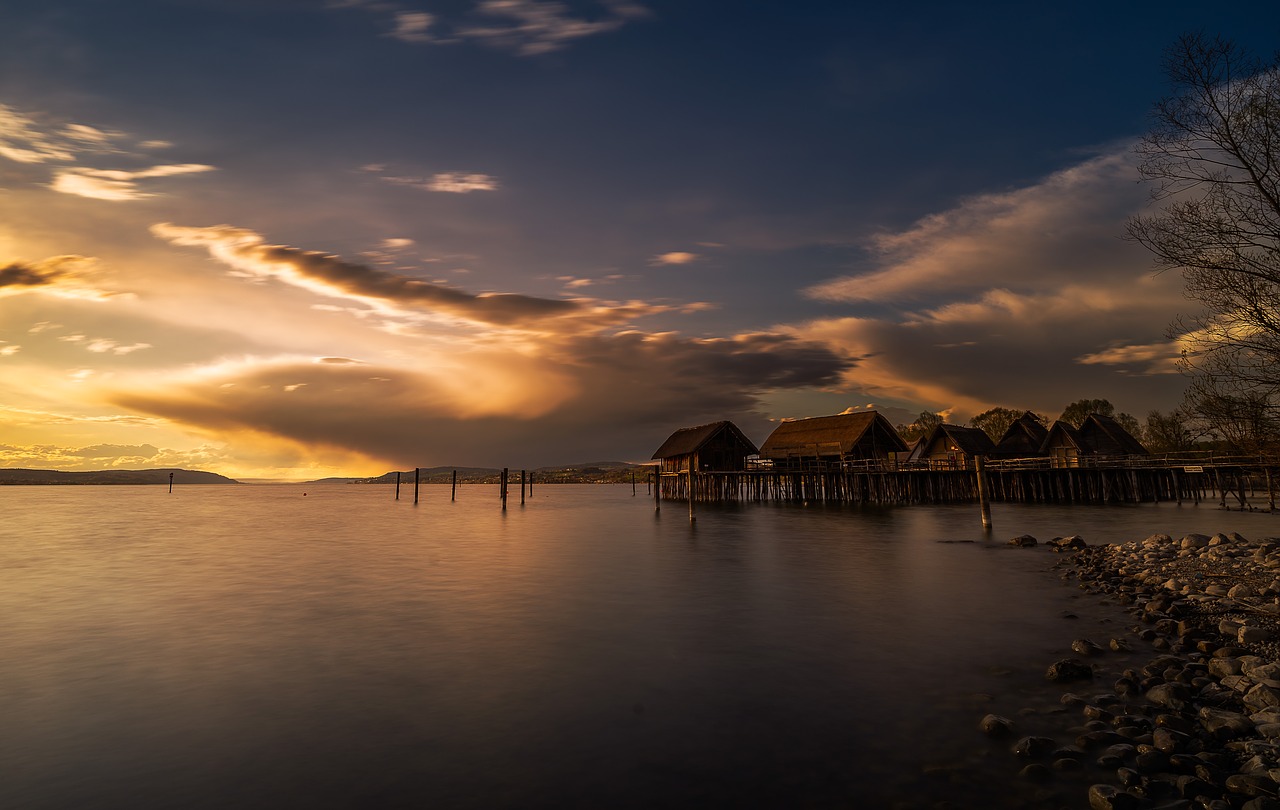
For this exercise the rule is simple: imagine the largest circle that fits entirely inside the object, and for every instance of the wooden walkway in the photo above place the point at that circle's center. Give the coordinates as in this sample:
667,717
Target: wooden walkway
1239,486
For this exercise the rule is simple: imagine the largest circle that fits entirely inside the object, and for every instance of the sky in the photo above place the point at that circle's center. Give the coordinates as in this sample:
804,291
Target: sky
287,239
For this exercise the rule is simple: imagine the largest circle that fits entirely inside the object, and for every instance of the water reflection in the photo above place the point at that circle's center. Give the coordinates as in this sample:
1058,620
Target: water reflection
247,646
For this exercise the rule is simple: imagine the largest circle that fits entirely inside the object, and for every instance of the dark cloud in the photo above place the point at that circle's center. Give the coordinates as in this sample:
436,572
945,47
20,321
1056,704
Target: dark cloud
618,397
244,250
19,274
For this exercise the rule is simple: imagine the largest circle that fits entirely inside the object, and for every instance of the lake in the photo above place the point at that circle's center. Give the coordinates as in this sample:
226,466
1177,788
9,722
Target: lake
326,646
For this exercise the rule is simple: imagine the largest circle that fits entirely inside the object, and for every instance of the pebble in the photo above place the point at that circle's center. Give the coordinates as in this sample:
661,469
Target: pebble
1197,726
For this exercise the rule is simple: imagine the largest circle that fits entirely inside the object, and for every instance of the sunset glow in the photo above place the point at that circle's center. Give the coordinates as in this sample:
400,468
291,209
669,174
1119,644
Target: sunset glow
396,234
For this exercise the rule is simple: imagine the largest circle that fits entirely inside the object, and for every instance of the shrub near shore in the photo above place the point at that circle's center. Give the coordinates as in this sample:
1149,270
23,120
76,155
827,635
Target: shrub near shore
1199,724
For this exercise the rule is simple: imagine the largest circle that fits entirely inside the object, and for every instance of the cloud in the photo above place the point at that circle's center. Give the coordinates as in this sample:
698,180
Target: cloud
22,140
445,182
1028,298
63,276
397,243
396,295
675,257
108,456
411,26
459,183
532,27
578,398
117,186
1064,229
527,27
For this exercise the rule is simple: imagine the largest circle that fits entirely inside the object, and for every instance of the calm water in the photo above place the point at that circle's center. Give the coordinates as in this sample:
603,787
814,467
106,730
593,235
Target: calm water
252,646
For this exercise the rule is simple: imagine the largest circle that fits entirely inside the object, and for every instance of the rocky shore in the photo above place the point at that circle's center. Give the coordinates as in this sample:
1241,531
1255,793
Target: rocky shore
1182,710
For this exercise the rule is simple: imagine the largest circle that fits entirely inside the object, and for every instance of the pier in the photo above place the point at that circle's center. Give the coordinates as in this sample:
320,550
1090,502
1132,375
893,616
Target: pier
1230,482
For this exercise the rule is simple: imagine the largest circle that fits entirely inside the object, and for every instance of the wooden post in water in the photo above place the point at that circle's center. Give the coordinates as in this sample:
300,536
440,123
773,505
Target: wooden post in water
633,484
657,487
1271,492
417,476
522,487
397,486
530,483
984,499
691,517
502,488
170,482
453,493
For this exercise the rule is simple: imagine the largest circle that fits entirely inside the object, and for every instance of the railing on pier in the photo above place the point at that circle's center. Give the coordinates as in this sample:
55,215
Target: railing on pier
1239,480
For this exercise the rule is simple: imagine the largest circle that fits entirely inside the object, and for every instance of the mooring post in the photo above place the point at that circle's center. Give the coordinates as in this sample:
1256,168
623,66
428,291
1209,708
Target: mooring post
657,489
170,482
980,468
530,483
522,487
453,493
691,517
648,484
502,488
417,476
633,484
397,486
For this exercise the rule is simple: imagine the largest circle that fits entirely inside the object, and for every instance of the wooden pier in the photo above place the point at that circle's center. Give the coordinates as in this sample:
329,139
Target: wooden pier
1237,484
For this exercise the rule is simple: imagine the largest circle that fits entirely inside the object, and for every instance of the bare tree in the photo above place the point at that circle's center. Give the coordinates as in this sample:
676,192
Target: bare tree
1213,156
1075,413
922,426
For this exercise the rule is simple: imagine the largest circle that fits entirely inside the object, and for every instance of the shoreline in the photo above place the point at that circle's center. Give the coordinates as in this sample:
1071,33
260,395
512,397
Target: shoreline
1180,709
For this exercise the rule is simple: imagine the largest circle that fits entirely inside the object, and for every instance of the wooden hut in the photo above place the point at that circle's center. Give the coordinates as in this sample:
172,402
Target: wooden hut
1097,437
829,441
950,447
1106,437
1023,439
718,446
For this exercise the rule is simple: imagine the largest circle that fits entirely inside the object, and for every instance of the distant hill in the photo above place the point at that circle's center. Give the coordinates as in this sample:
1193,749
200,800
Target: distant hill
16,476
596,472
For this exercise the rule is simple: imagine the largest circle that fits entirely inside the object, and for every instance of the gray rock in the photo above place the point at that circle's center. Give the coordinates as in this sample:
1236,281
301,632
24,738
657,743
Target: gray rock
1083,646
1262,697
1023,541
1195,541
1170,695
1252,635
1222,723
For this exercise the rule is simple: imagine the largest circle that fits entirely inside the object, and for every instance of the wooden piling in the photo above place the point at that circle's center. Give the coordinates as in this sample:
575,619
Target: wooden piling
657,489
453,493
417,476
633,484
502,488
397,486
691,517
171,483
522,487
984,499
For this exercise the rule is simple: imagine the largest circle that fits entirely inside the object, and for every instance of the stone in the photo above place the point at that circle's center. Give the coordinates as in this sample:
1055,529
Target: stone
1251,785
1033,747
1252,635
1223,667
1169,741
993,725
1035,772
1083,646
1068,669
1023,541
1242,591
1170,695
1225,724
1262,697
1109,797
1073,543
1119,645
1195,541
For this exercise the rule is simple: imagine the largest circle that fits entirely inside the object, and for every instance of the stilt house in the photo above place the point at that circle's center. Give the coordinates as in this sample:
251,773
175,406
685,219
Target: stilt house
950,447
718,446
1097,437
830,441
1023,439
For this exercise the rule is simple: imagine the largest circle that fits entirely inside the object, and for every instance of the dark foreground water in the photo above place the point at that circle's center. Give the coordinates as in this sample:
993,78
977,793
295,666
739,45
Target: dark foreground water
254,647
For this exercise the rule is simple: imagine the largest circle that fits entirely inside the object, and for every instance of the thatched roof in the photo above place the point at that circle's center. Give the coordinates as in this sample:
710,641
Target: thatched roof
689,440
1069,435
1098,435
1024,438
829,435
968,440
1105,436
